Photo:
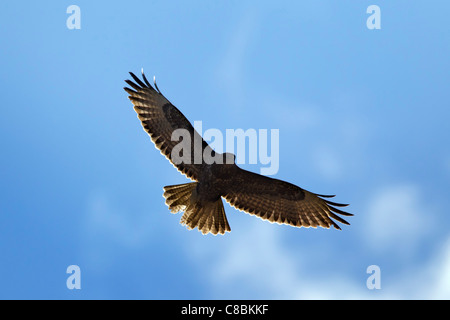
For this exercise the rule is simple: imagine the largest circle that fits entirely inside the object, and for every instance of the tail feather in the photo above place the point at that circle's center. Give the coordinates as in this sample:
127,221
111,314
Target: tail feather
178,196
207,217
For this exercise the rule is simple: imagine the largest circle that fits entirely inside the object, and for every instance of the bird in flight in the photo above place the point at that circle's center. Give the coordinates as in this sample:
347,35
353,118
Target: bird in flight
201,200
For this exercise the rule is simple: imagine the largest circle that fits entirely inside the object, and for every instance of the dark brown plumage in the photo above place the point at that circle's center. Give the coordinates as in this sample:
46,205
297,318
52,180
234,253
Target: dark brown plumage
270,199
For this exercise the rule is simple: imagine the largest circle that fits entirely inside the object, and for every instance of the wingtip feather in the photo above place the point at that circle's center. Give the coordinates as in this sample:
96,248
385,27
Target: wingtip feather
156,86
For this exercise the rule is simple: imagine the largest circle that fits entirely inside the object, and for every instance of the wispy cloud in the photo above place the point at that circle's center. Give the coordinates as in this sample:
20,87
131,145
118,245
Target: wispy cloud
230,70
260,263
397,218
110,230
439,273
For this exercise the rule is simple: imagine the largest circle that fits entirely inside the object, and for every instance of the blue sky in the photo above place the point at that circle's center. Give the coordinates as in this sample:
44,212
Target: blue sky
361,113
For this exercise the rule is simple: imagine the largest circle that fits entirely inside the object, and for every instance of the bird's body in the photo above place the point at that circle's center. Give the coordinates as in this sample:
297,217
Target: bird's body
214,180
270,199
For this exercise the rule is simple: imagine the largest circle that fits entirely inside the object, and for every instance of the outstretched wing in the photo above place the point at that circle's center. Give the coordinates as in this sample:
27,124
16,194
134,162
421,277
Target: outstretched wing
160,119
282,202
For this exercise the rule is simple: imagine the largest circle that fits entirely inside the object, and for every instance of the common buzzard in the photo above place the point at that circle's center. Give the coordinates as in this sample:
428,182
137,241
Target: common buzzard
270,199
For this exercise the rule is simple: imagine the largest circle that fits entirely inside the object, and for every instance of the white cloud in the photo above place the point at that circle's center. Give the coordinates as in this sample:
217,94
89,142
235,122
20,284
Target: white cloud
260,263
230,70
439,273
397,218
264,265
109,230
427,279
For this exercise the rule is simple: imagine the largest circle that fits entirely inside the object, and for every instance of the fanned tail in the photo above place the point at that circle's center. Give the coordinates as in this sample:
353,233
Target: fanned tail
207,217
178,197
